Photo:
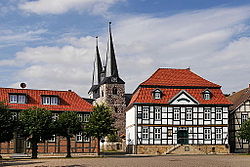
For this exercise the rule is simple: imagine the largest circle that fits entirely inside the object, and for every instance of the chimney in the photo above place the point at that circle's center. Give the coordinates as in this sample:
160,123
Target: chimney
248,85
69,90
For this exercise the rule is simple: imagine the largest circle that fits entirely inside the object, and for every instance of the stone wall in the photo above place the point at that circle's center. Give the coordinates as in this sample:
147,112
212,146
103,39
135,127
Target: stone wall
184,149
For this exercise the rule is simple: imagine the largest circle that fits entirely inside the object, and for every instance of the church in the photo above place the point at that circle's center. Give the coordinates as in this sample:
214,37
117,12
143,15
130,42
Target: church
107,86
177,111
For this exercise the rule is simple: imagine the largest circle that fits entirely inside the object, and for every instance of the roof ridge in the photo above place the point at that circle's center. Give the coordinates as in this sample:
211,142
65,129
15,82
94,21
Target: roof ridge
39,89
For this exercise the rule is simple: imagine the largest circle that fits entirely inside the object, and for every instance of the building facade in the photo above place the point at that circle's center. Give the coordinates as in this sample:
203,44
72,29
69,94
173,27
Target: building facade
176,110
239,113
108,87
57,102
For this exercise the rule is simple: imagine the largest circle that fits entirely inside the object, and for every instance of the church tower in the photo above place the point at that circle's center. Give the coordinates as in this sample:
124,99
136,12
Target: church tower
111,88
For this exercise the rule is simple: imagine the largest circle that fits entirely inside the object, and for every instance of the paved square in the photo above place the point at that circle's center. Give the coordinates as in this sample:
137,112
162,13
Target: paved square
139,161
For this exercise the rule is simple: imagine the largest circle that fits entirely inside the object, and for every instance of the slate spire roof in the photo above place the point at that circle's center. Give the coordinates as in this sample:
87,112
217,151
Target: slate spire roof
111,66
97,66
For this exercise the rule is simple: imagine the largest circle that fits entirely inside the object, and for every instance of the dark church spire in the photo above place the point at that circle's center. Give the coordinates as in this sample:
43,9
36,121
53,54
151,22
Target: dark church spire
111,66
97,66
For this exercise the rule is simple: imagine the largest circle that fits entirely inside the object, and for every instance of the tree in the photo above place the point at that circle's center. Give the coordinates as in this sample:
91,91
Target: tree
36,125
67,126
8,124
245,132
100,124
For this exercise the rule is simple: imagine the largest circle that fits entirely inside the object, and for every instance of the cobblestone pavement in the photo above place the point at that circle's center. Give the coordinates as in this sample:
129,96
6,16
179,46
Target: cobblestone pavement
138,161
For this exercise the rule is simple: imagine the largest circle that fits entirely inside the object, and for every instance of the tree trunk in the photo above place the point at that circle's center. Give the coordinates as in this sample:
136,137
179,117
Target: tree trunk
98,146
68,147
34,149
248,147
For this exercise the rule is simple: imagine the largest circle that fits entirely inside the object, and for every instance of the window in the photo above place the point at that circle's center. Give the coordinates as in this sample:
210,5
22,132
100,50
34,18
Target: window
244,117
86,117
218,132
218,115
170,133
79,137
114,91
157,133
189,114
28,144
79,117
157,94
86,139
157,113
207,134
50,100
20,99
53,139
244,141
144,133
55,116
207,95
207,113
145,113
176,113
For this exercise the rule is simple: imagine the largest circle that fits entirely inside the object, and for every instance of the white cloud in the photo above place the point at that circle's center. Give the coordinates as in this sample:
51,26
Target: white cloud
62,6
211,41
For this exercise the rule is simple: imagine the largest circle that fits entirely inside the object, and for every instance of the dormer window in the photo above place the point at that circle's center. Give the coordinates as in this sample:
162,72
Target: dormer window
17,98
157,94
50,100
207,95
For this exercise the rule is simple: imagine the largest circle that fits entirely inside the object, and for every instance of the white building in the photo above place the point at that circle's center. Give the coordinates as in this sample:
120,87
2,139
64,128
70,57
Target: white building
239,113
177,110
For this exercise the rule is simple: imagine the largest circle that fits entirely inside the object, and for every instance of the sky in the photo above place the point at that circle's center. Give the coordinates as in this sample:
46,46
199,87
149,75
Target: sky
50,44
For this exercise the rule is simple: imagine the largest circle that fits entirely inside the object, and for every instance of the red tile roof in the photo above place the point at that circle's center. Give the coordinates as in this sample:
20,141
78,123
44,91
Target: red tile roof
177,77
144,95
69,101
171,82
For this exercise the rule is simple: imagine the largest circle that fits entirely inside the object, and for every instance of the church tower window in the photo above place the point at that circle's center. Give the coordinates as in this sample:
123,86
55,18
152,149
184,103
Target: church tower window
114,91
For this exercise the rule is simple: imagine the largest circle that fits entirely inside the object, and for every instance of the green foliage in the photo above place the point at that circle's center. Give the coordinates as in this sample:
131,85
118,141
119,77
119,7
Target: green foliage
8,123
113,138
37,124
100,122
245,131
68,124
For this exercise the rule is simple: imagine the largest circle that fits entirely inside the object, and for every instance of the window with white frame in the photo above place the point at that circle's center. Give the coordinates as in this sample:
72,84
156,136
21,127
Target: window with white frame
50,100
79,137
145,113
53,139
218,133
157,94
157,133
218,113
244,117
176,113
157,113
207,134
207,113
55,116
86,139
145,133
18,98
86,117
244,141
189,114
28,144
207,95
170,133
80,117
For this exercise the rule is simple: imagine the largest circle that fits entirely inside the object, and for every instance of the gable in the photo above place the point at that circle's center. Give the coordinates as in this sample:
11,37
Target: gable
183,98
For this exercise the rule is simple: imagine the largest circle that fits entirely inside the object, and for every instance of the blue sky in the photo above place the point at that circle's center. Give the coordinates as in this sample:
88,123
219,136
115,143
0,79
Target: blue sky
50,44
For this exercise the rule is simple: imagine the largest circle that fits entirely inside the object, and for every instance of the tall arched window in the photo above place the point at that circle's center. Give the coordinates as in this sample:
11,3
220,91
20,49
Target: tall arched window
114,91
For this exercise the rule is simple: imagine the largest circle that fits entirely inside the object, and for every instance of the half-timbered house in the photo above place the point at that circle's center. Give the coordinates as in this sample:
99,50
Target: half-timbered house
55,101
239,112
177,110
